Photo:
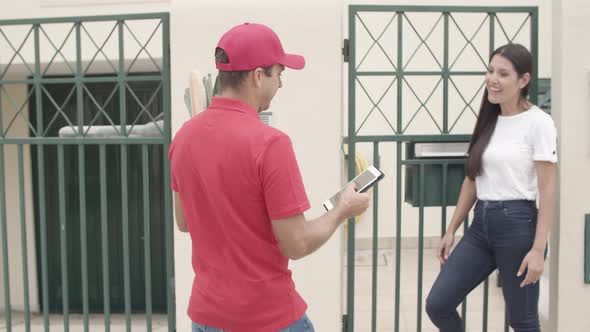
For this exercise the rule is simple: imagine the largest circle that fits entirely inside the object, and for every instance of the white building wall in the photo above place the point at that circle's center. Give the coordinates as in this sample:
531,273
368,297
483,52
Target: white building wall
571,105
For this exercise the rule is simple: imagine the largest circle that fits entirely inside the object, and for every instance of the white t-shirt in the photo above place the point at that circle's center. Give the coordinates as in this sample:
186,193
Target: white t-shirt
508,163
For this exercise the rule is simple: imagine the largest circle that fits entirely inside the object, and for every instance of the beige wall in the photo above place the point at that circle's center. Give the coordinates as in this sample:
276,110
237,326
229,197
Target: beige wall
308,108
13,212
571,104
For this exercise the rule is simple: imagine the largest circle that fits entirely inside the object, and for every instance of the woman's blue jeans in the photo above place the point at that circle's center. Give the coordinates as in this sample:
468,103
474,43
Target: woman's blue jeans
302,325
501,235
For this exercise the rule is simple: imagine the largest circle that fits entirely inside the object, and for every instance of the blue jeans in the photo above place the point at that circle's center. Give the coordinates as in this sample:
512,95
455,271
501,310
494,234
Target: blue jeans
501,234
302,325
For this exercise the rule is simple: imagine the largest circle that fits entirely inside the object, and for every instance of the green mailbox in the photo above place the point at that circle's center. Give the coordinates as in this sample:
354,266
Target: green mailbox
451,153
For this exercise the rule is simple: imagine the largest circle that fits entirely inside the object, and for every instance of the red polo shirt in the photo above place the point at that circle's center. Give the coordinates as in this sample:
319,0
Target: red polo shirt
234,175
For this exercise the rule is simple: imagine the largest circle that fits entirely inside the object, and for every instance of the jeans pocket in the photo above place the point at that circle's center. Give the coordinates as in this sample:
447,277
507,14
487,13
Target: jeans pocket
521,214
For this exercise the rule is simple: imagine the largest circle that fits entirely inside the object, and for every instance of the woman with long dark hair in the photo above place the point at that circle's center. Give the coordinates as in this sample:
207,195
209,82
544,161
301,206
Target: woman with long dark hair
511,162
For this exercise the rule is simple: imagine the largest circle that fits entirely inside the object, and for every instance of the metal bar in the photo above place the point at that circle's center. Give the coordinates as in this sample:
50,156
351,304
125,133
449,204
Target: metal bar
375,41
84,141
446,75
125,226
398,238
407,138
398,234
449,161
41,175
105,238
469,41
18,111
59,110
467,103
445,171
143,47
101,111
2,110
423,41
351,168
43,231
421,246
37,83
464,304
6,274
533,93
79,90
58,50
126,17
17,52
423,105
169,221
23,227
81,176
486,290
147,236
458,9
375,239
121,77
83,233
492,31
399,73
375,105
63,237
99,48
419,73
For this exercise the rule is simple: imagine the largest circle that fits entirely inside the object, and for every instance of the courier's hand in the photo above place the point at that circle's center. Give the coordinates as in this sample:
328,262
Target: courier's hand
351,203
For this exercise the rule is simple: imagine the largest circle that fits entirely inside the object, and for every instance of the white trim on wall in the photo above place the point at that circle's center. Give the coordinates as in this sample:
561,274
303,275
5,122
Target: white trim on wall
85,3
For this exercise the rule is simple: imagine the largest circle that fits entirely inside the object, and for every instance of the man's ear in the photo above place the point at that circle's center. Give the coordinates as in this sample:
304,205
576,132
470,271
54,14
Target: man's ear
257,77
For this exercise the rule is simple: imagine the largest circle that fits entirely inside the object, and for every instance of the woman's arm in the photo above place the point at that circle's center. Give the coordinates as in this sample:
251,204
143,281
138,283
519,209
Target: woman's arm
534,261
547,182
467,198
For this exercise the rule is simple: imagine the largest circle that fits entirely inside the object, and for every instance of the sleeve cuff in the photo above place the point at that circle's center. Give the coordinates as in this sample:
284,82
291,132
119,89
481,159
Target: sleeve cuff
290,212
545,157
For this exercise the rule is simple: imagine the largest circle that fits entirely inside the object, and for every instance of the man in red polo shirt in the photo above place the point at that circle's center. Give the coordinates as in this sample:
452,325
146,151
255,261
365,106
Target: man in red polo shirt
238,192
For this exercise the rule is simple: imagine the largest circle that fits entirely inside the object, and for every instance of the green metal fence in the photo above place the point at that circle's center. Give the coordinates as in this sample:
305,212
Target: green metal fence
85,130
385,57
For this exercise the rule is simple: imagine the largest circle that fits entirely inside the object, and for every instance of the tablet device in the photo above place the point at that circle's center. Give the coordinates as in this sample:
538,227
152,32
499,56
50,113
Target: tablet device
363,181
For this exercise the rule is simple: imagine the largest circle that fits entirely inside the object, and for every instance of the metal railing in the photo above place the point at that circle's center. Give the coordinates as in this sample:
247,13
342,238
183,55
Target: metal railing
71,163
395,70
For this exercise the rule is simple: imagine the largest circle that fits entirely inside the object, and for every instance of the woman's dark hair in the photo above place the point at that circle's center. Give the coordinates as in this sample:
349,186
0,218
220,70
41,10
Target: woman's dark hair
233,79
522,60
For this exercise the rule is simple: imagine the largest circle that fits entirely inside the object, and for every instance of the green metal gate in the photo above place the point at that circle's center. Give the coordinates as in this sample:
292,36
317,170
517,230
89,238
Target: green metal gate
86,130
385,60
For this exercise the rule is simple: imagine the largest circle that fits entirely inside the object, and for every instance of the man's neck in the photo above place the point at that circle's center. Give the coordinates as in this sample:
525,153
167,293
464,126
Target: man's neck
244,96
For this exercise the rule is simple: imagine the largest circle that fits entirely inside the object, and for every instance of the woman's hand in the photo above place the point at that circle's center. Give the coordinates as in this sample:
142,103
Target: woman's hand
444,248
534,263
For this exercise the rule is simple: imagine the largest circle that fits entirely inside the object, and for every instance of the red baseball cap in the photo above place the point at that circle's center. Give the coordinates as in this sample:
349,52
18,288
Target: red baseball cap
249,46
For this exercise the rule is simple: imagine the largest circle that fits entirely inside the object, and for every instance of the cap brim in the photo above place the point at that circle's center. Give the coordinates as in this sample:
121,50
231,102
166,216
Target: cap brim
293,61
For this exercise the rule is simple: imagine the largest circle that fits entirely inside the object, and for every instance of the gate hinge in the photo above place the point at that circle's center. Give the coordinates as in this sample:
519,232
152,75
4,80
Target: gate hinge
346,50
